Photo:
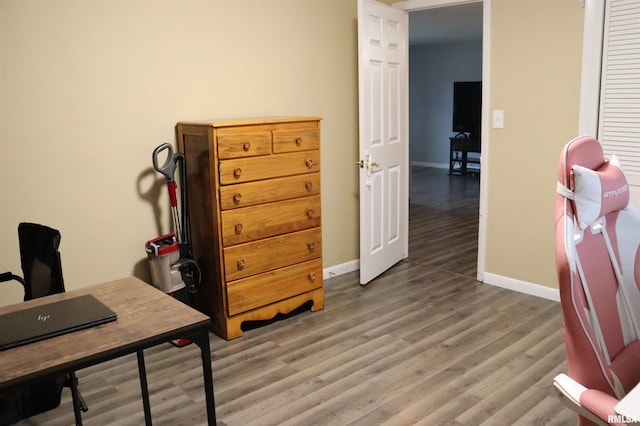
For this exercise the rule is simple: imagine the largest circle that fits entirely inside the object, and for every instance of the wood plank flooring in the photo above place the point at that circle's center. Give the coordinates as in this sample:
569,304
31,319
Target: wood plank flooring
424,344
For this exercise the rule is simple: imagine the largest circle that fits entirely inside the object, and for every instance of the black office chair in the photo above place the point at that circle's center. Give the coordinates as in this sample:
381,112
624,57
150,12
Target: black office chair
42,269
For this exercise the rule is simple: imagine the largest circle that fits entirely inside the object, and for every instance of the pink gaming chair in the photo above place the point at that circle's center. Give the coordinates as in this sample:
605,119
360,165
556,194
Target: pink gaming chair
598,264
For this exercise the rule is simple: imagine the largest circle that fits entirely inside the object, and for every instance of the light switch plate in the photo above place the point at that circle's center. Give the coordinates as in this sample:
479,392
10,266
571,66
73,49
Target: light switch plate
498,119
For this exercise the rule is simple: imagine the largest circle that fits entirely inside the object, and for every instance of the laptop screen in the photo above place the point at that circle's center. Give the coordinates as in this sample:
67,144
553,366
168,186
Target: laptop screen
52,319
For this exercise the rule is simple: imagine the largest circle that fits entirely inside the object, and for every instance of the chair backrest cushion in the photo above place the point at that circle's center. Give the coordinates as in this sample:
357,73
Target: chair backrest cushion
599,192
40,260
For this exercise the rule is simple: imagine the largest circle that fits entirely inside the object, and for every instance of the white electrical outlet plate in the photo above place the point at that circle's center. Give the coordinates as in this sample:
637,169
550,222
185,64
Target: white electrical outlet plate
498,119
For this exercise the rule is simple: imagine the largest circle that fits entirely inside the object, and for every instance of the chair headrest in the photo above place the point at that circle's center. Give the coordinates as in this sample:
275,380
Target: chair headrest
599,192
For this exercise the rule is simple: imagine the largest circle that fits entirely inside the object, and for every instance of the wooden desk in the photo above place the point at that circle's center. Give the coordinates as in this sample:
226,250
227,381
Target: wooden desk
458,150
146,317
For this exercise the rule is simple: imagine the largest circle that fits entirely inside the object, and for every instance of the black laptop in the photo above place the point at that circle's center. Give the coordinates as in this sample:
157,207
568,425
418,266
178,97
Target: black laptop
53,319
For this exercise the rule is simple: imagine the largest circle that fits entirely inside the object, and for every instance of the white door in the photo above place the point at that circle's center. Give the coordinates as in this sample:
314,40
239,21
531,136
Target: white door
383,64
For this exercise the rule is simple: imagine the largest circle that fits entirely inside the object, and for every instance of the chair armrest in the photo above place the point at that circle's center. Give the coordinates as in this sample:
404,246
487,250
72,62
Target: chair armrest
570,393
603,405
8,276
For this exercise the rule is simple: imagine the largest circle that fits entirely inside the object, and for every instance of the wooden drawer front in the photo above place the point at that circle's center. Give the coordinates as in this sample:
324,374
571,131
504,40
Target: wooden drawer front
258,168
266,191
248,259
296,140
244,145
269,220
261,290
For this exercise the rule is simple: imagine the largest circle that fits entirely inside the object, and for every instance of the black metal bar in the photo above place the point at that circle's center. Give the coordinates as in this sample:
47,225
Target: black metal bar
202,340
142,371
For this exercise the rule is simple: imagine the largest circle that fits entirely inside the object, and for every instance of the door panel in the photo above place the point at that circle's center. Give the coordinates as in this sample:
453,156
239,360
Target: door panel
384,162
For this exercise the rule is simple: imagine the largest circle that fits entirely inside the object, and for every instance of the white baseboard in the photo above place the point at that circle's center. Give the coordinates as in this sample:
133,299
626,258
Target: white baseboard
435,165
522,286
489,278
343,268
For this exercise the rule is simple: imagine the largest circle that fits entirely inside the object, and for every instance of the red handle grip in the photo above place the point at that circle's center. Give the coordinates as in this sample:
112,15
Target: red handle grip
172,193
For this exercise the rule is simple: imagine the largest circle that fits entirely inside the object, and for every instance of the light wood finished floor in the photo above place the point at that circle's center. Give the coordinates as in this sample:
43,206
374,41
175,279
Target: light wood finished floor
424,344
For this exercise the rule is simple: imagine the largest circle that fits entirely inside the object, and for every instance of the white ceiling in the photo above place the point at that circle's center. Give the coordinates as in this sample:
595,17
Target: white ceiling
446,24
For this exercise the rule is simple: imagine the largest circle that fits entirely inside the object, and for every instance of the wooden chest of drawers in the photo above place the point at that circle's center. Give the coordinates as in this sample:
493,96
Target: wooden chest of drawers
255,217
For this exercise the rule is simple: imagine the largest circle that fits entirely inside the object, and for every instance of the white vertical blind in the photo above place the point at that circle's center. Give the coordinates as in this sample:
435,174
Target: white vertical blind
619,126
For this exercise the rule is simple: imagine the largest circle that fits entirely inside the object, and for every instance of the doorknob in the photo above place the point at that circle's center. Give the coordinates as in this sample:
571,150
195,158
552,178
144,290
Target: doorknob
365,164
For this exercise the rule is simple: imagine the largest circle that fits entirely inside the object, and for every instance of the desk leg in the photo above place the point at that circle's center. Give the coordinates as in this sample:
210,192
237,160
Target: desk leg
450,161
464,162
202,340
142,371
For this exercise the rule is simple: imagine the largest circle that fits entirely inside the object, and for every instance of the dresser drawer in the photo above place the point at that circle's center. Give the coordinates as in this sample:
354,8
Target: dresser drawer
295,140
268,220
260,290
244,145
248,259
266,167
266,191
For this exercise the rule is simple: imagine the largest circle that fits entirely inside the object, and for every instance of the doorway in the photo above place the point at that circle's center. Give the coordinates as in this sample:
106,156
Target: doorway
445,45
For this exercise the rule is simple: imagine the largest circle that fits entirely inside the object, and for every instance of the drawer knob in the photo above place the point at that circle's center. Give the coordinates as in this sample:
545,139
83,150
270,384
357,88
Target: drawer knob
312,276
237,172
311,245
309,186
309,163
298,141
310,214
241,263
236,197
246,146
238,228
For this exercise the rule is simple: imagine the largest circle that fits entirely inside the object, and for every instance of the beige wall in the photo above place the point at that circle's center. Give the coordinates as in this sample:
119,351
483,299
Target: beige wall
88,88
536,53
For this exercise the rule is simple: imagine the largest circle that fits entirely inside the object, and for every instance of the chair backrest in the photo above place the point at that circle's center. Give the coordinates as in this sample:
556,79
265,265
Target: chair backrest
598,265
40,260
